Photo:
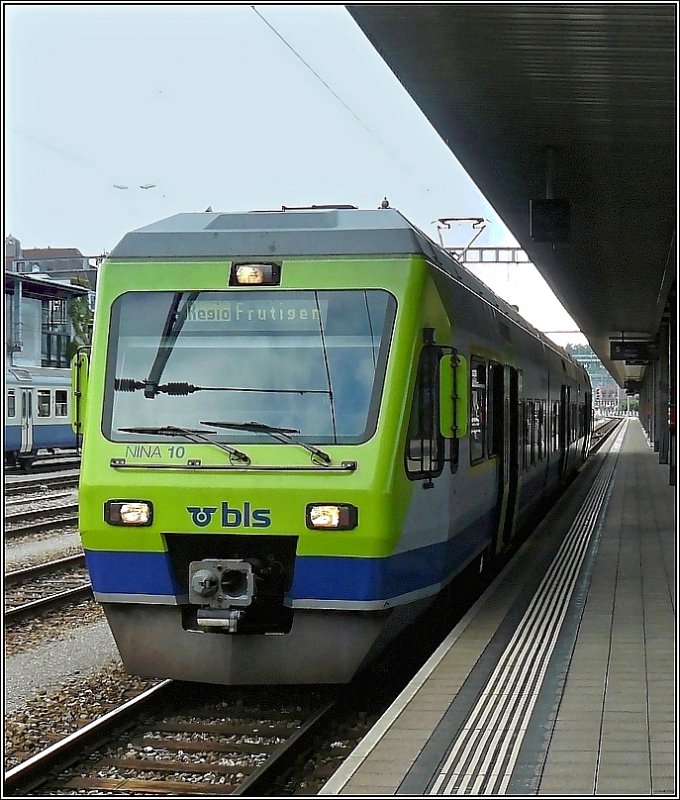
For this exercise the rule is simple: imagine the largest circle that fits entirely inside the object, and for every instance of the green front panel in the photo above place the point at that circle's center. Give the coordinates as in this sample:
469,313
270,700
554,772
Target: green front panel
378,487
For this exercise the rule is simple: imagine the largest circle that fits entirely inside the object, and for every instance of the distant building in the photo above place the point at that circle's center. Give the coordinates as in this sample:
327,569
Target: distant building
38,294
606,391
62,263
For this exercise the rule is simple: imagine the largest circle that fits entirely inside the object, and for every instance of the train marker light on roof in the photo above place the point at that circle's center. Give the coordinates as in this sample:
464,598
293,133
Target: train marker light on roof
255,275
128,512
331,516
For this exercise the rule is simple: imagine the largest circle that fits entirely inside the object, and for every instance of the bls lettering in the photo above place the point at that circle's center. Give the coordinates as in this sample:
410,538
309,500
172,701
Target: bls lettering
247,517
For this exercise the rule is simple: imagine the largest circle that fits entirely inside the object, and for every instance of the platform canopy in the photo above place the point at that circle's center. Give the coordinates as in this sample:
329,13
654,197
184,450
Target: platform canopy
570,102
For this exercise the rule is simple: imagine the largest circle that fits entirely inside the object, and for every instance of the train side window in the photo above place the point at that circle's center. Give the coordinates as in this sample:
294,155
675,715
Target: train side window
563,439
494,403
529,433
424,443
44,402
11,403
555,426
532,414
60,403
541,430
477,409
584,416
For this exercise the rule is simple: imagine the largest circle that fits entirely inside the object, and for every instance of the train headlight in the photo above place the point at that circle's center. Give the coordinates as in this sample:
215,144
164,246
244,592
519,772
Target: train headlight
128,512
255,275
332,516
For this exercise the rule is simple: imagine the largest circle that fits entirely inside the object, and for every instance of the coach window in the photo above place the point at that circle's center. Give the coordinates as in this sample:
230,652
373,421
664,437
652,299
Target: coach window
43,402
425,444
477,409
11,403
60,403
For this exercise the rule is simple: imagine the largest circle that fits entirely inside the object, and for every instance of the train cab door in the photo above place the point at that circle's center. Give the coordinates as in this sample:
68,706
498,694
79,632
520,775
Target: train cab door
508,428
26,420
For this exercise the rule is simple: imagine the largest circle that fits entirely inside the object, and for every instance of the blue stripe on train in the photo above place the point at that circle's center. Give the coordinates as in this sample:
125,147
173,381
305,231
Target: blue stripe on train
44,436
112,572
316,577
12,438
60,435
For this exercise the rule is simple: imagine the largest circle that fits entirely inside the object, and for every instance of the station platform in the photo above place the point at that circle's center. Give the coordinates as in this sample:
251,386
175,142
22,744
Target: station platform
560,679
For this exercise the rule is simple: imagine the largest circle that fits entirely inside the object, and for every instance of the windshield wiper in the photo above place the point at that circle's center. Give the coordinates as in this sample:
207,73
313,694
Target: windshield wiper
282,434
192,435
182,388
174,322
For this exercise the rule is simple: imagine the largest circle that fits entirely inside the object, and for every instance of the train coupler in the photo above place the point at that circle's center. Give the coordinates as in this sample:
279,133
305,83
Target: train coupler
221,583
228,619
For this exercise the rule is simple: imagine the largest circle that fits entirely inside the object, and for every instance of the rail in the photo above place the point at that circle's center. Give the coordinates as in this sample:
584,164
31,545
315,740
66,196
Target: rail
43,525
35,770
28,573
25,487
57,767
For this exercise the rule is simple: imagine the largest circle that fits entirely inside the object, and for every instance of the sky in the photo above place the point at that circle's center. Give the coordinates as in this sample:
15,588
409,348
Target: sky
228,106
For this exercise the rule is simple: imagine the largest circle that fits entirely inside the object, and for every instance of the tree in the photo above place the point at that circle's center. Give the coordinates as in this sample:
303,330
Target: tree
579,349
81,318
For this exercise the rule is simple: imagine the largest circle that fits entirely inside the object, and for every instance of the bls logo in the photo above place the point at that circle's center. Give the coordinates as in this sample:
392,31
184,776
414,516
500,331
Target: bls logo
231,517
201,516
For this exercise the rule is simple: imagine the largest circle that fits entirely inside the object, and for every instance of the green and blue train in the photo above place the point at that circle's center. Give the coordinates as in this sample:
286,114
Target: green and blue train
37,413
299,427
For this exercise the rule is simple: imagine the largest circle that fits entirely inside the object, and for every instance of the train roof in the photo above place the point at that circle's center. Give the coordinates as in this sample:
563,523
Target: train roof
276,234
317,231
46,376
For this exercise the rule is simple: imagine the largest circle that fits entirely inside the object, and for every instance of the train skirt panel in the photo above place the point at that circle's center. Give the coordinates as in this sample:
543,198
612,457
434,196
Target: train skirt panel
319,648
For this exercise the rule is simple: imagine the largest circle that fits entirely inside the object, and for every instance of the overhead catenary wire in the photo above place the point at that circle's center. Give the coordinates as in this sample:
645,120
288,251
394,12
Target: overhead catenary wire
329,88
319,78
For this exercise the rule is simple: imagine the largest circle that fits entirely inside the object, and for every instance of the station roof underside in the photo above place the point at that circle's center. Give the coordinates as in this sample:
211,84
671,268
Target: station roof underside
32,286
506,85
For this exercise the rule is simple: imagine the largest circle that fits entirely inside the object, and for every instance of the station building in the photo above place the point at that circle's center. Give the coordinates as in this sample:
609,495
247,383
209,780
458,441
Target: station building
40,294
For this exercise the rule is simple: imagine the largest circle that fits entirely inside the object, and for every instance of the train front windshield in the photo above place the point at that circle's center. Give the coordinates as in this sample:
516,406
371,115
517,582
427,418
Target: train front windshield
311,361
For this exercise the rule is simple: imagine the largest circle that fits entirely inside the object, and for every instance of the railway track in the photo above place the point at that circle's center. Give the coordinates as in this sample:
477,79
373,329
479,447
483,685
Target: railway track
602,433
29,522
34,514
18,488
160,743
19,501
64,580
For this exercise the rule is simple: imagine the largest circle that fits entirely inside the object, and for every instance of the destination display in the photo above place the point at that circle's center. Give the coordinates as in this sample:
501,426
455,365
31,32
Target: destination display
634,352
